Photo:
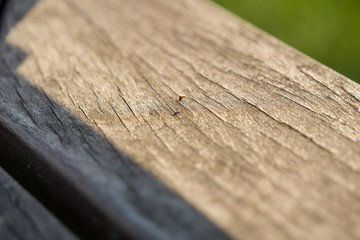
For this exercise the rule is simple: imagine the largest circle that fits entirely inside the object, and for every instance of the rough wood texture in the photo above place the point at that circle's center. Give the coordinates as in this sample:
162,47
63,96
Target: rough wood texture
92,187
22,217
264,140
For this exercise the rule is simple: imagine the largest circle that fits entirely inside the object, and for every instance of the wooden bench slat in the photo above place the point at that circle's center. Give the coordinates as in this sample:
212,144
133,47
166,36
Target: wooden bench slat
94,188
259,138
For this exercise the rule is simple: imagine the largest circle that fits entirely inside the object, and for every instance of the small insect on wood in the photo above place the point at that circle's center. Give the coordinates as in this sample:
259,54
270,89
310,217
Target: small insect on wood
175,114
180,98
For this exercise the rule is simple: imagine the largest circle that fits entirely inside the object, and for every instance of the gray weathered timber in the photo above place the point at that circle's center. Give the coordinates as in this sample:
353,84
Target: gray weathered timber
264,141
23,217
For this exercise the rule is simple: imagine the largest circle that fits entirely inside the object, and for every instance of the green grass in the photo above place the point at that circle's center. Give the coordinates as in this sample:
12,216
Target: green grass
327,30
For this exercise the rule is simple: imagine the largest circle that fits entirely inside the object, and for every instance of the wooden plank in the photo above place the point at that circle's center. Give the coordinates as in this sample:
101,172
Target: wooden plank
95,189
264,141
23,217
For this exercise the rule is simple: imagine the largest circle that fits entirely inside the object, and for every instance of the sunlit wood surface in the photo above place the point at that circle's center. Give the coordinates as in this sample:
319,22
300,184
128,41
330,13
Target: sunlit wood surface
130,100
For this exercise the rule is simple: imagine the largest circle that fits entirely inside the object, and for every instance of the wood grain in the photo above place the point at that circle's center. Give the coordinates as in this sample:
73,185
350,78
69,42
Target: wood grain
264,141
23,217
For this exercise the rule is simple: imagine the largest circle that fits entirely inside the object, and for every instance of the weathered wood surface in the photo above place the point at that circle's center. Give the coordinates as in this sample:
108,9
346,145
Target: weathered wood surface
23,217
264,141
95,189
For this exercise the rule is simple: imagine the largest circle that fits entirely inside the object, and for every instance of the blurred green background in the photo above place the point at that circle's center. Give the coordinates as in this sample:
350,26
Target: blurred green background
327,30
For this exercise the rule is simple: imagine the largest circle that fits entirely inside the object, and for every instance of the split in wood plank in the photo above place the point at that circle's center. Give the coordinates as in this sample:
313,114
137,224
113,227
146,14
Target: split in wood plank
23,217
